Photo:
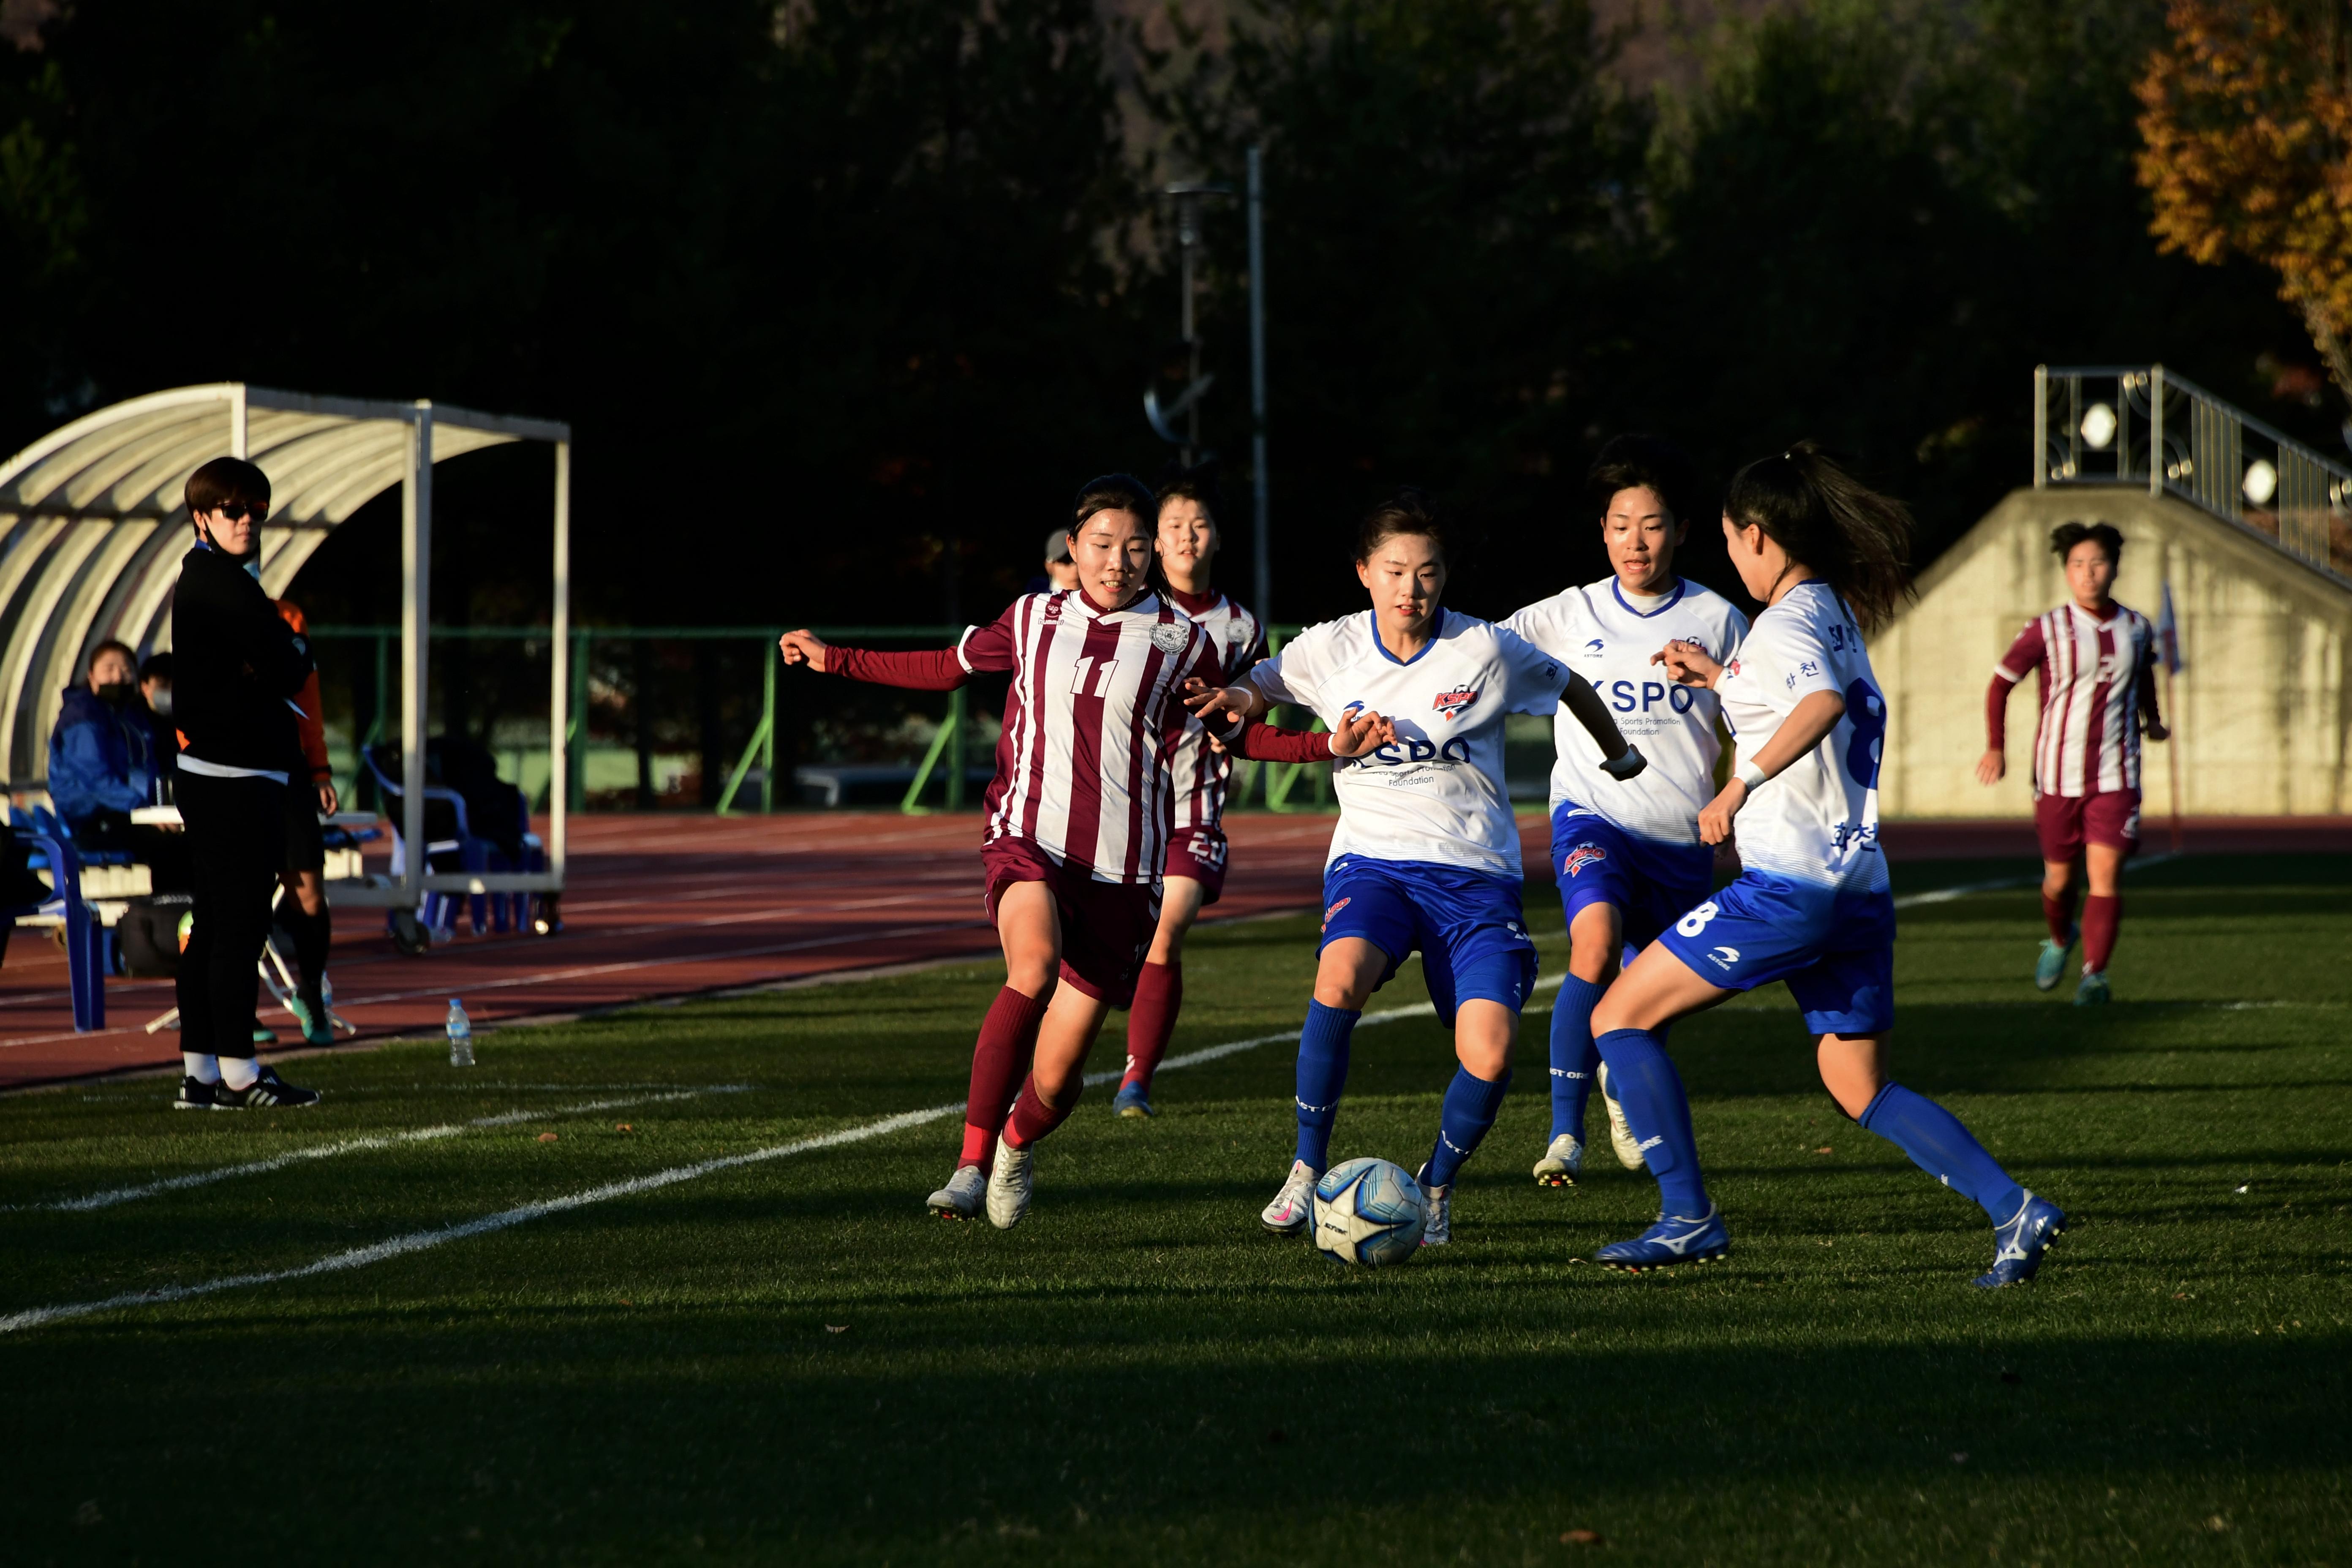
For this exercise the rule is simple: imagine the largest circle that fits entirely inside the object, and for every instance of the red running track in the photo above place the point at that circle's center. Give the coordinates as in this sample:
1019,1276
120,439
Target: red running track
674,905
658,906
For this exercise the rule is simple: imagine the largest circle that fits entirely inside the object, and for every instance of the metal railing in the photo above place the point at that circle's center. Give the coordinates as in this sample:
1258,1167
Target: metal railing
2144,425
754,776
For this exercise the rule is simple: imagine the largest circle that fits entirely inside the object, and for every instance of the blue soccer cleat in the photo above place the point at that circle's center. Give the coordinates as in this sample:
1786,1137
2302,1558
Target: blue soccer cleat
1131,1100
1672,1241
2022,1241
2093,992
2051,967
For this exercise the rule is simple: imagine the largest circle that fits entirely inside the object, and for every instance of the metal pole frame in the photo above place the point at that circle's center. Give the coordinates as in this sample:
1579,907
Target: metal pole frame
416,634
2041,426
1261,546
559,700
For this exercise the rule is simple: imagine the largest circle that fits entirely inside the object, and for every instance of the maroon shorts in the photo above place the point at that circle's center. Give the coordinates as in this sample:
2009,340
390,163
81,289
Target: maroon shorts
1199,853
1107,927
2064,823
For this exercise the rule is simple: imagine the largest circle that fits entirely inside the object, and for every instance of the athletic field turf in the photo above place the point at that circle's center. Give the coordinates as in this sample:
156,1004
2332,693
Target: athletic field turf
785,1359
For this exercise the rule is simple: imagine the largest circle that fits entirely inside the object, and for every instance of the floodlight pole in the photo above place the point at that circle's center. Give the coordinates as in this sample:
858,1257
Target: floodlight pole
1188,240
1261,547
1188,196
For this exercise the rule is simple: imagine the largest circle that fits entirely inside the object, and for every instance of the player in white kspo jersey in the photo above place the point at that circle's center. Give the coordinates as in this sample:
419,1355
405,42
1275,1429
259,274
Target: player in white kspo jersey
1811,905
1426,852
1188,543
1627,857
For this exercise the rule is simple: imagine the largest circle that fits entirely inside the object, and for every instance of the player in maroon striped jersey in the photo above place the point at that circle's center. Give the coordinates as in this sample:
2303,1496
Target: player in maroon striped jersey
1188,543
2097,668
1078,818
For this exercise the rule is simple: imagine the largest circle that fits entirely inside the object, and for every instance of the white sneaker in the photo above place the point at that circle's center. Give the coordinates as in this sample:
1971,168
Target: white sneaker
960,1199
1437,1230
1010,1184
1295,1204
1621,1137
1561,1162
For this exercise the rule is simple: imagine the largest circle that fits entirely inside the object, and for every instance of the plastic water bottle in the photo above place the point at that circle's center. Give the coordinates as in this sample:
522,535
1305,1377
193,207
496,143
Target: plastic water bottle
461,1035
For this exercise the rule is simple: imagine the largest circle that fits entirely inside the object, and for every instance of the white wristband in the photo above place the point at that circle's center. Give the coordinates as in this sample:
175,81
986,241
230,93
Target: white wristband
1749,774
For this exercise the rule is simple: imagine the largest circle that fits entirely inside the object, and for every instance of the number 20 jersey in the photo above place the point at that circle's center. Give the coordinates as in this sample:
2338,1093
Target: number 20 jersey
1817,820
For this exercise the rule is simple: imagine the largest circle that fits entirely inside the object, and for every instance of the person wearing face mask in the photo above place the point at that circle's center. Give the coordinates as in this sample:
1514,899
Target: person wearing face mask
155,690
105,760
239,668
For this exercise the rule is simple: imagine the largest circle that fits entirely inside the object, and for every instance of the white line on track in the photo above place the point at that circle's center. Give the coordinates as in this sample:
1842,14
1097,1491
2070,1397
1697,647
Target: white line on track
114,1196
420,1240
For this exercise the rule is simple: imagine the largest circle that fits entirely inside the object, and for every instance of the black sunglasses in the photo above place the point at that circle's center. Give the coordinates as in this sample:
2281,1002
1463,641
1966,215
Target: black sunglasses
238,511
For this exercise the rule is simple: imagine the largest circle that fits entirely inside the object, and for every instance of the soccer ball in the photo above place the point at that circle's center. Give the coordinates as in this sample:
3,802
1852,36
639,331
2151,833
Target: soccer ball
1368,1211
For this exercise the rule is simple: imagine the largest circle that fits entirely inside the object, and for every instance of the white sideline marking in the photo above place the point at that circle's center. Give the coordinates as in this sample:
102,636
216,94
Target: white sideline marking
418,1241
114,1196
2005,884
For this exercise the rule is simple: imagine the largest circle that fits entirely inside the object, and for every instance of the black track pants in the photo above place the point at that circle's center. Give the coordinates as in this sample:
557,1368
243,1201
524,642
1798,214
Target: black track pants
236,835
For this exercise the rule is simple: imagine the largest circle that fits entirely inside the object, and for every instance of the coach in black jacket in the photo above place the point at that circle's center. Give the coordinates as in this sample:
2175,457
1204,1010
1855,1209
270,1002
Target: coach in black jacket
238,666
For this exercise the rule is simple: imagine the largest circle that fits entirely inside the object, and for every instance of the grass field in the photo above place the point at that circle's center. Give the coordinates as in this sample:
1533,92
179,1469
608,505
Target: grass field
785,1359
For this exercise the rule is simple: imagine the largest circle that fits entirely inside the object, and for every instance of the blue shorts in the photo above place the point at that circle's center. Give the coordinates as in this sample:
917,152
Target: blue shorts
1597,862
1834,948
1468,925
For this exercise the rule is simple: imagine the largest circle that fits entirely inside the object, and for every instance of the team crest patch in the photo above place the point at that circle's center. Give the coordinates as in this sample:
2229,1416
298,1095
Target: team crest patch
1580,857
1332,913
1454,704
1170,638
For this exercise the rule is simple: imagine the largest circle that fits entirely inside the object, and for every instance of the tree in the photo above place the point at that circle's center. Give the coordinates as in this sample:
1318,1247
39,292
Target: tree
2246,125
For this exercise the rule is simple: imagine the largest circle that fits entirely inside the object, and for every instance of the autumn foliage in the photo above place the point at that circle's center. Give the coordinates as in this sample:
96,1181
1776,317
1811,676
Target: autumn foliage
2246,130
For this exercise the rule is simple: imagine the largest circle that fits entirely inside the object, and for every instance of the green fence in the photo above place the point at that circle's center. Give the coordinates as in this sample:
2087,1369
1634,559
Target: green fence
1274,786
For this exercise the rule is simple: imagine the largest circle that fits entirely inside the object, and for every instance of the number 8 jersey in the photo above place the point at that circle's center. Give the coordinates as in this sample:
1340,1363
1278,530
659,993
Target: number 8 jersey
1817,820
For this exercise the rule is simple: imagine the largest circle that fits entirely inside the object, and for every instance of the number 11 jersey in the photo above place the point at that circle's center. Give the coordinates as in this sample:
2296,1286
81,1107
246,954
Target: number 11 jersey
1817,820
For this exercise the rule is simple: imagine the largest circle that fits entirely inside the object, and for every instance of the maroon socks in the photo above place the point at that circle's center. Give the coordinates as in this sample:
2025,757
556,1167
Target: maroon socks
2059,913
2100,918
1008,1038
1032,1117
1159,997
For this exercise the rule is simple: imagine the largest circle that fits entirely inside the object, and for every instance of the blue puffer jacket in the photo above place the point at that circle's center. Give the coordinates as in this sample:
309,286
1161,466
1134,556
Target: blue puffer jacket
102,758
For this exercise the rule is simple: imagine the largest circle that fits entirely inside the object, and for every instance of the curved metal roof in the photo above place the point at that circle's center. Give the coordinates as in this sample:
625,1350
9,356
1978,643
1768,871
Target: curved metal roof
92,525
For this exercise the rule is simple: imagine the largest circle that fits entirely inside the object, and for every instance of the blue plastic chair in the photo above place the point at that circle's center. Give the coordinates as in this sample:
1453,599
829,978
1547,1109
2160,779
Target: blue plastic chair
51,850
471,853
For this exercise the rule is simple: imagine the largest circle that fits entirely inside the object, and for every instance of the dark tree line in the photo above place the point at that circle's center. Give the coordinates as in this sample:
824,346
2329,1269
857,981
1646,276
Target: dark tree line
843,299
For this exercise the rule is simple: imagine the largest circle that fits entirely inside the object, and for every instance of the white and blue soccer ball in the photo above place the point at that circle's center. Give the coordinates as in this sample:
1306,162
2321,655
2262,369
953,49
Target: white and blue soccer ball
1370,1212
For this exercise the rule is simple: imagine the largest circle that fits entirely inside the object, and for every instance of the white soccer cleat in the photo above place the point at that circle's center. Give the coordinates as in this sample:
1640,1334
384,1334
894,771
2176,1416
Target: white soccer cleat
1436,1230
961,1198
1621,1137
1294,1206
1010,1184
1561,1164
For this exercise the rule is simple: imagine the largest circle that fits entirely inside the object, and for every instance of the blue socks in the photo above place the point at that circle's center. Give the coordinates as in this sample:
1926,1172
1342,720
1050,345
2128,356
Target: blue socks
1471,1103
1574,1057
1322,1073
1646,1085
1938,1144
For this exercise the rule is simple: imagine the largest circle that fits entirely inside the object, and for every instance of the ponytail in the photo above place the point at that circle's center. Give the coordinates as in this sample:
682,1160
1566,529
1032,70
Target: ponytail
1852,538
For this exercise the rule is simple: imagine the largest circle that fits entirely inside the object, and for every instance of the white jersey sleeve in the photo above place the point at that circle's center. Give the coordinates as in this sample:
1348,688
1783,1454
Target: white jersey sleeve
1536,677
1611,642
1435,796
1297,672
1817,820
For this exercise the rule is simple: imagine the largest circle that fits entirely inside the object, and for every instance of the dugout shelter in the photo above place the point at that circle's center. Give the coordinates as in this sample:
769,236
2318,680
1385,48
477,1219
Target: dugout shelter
2251,531
93,524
